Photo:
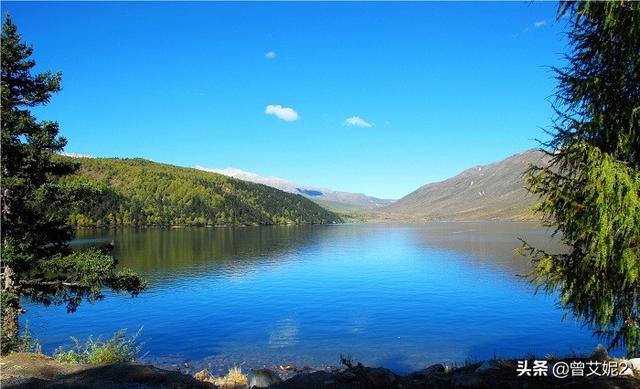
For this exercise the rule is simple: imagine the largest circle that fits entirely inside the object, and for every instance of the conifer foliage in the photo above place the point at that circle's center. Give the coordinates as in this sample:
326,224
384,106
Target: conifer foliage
36,259
590,192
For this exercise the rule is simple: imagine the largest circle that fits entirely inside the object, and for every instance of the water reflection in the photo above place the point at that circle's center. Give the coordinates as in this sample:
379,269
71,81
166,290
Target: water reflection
284,334
160,253
404,296
157,252
488,244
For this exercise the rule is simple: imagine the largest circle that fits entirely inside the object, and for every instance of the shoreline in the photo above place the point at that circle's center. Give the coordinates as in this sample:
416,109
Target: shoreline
368,221
28,370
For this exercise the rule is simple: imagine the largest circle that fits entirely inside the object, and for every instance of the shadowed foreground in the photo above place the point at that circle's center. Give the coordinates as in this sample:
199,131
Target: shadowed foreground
26,370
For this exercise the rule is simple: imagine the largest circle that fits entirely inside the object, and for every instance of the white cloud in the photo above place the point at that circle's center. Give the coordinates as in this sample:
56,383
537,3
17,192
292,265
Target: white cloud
357,121
527,29
540,23
285,113
270,55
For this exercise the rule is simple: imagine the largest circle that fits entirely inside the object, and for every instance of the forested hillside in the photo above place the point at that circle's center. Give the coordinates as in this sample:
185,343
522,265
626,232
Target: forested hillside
141,193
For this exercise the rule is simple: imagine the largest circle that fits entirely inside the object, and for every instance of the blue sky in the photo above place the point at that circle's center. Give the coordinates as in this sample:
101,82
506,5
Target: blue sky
377,98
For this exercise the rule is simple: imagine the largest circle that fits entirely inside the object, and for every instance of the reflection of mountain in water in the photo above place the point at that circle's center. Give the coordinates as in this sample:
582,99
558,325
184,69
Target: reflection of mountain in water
167,253
156,252
400,295
488,244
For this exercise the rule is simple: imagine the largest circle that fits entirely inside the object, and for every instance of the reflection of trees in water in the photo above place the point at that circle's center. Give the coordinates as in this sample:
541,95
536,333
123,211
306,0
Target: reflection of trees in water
155,251
235,250
487,244
167,253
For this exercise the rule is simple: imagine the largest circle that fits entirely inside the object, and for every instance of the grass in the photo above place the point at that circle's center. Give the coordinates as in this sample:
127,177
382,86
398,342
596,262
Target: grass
27,342
118,349
233,378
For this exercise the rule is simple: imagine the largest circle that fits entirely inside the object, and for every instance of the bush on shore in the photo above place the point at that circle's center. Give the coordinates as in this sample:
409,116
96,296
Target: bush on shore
118,349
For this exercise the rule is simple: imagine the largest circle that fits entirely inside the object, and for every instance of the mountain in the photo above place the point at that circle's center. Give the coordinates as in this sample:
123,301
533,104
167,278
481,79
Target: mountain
331,199
493,191
141,192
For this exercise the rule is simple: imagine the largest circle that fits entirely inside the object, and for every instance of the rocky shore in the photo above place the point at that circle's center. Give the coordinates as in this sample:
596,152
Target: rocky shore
27,370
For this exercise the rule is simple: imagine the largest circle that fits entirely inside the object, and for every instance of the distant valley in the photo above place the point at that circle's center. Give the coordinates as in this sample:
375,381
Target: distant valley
331,199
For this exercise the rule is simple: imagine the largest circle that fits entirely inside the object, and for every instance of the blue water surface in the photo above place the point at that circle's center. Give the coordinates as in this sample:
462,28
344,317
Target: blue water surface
400,295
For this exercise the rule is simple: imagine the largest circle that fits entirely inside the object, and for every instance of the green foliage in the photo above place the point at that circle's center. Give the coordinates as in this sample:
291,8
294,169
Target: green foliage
25,342
28,343
590,192
9,340
36,259
68,279
30,226
138,192
347,212
597,99
118,349
598,212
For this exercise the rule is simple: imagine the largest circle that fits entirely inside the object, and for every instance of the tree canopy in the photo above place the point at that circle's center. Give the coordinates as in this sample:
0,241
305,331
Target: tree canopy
37,261
137,192
590,192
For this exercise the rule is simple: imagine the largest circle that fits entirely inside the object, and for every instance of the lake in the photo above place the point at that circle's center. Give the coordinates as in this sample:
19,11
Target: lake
400,295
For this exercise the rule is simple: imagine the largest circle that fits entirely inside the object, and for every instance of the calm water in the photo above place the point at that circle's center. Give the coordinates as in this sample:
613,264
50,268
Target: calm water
403,296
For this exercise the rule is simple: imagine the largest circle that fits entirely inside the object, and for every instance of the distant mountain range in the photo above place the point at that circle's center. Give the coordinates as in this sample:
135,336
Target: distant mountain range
141,192
493,191
330,199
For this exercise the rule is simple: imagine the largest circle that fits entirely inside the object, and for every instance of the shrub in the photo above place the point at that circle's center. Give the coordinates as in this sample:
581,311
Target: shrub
233,378
118,349
27,343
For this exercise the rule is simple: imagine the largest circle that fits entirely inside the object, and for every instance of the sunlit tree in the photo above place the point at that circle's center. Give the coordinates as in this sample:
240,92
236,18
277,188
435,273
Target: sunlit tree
590,191
37,262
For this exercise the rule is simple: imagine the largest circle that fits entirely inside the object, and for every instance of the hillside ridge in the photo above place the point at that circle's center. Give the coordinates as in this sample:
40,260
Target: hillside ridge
328,198
139,192
483,192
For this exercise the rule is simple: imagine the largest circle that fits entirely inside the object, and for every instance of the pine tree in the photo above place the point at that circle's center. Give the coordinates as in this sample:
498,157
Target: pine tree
36,259
590,192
